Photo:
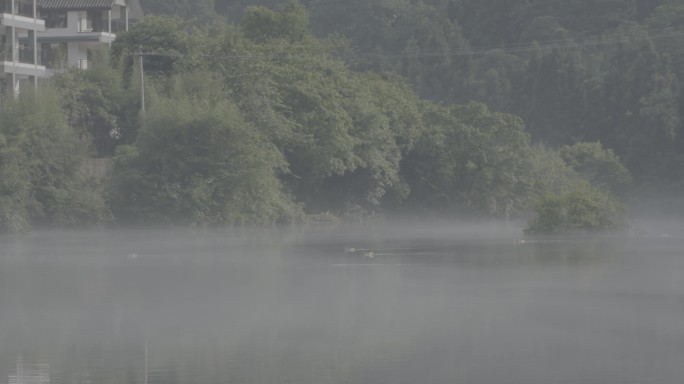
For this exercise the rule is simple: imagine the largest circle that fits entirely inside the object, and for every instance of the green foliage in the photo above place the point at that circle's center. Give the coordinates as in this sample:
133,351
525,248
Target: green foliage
490,23
97,105
201,10
601,167
341,133
384,122
555,95
669,14
260,121
199,163
474,159
14,186
392,36
177,40
608,71
641,109
581,210
41,166
61,193
575,71
261,24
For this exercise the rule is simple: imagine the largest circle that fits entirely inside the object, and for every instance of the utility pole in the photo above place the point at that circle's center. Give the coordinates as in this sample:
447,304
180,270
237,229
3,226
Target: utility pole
147,353
142,82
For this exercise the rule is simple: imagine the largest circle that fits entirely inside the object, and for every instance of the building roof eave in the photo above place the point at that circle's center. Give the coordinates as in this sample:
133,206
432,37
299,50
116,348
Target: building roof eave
80,5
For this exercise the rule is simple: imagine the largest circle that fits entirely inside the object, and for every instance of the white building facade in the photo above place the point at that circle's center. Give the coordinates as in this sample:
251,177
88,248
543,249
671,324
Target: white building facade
19,59
74,27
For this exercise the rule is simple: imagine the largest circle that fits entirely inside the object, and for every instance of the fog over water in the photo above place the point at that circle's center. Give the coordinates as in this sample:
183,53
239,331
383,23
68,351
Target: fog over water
434,304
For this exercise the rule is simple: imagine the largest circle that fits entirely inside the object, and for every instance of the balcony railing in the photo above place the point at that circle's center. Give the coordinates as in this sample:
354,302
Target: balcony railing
98,25
21,8
85,25
118,26
27,55
53,58
23,54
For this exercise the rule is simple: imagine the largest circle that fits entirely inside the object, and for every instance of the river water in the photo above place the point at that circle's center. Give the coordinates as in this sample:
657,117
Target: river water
442,304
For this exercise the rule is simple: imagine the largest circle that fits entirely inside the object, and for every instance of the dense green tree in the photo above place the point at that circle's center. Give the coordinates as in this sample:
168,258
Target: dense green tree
385,123
494,80
14,184
487,23
577,211
198,162
261,24
413,39
600,167
472,159
61,193
556,95
342,133
669,14
641,116
97,105
195,9
170,42
247,119
42,160
496,23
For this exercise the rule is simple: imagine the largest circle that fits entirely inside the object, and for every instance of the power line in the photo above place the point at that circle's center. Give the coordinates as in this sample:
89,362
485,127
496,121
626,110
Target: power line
593,41
142,110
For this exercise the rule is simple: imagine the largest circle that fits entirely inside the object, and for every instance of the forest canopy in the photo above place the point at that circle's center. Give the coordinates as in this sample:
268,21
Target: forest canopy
266,111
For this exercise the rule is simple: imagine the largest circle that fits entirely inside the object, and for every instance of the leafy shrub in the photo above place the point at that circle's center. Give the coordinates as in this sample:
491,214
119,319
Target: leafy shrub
199,163
41,157
580,210
601,167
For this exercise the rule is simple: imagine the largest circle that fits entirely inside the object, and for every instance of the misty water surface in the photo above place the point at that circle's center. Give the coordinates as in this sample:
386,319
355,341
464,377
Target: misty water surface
443,304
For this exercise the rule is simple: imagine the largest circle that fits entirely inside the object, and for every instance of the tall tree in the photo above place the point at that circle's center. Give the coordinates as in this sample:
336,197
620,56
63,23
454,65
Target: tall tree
202,10
42,161
170,41
198,162
641,109
471,159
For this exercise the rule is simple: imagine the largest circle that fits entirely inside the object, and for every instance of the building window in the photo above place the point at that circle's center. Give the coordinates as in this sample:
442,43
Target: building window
98,21
5,48
54,55
55,19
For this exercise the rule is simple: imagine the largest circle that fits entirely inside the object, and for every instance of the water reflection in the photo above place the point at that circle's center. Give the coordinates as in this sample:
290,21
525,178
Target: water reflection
283,307
28,372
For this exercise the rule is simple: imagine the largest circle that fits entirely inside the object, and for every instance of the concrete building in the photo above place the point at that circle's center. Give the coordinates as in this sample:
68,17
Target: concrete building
74,27
19,64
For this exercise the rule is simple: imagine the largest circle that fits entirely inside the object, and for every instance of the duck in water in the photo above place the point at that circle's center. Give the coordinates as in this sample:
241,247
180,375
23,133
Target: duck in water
364,252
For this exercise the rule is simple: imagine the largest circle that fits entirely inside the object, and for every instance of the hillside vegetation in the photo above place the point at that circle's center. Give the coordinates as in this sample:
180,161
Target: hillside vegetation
262,112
